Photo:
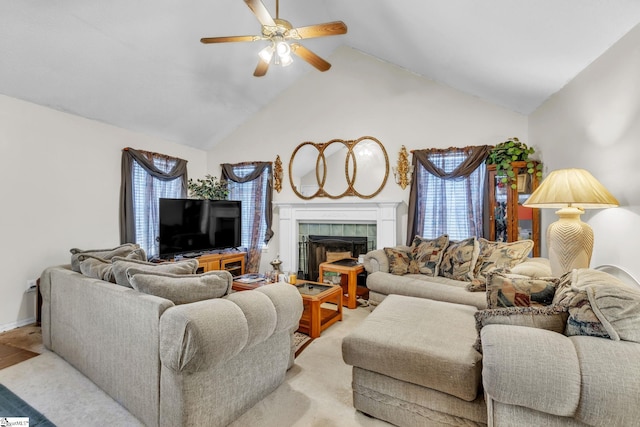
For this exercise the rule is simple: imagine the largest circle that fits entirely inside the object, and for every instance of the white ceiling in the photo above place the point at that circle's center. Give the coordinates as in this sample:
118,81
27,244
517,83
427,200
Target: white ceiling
139,64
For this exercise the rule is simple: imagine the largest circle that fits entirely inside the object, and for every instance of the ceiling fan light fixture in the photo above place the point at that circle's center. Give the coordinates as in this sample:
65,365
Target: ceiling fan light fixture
267,53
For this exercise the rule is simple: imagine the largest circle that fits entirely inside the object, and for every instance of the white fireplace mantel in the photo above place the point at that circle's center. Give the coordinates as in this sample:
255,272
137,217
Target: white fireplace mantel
383,214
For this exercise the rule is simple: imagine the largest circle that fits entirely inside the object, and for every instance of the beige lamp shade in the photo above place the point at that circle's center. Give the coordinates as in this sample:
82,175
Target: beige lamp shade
571,187
569,240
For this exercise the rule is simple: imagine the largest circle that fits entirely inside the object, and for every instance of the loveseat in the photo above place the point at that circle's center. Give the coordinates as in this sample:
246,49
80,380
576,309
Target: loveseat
538,351
201,360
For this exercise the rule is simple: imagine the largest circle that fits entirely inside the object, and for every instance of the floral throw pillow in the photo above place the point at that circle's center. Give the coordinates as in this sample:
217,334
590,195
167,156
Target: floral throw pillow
459,260
427,253
499,255
400,262
508,290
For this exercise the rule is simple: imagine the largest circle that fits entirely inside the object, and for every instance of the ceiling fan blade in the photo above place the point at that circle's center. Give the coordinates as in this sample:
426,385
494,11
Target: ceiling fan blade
261,69
310,57
230,39
334,28
261,12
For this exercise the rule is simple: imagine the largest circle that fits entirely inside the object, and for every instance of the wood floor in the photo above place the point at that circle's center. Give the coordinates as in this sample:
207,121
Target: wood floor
18,345
10,355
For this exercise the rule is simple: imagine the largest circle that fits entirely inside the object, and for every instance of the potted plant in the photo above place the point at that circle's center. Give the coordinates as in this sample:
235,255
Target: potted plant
208,188
512,150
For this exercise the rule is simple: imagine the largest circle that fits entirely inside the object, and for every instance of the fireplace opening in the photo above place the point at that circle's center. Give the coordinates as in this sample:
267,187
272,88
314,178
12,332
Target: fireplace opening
314,250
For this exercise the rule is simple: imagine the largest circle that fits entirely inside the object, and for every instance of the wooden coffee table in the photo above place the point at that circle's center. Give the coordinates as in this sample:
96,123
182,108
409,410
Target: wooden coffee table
248,282
316,317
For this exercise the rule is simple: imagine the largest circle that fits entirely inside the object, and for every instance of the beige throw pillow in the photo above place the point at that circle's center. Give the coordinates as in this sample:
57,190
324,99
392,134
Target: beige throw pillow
181,289
122,251
120,266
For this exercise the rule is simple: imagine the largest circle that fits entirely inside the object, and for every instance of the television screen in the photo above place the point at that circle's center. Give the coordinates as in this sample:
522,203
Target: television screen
193,225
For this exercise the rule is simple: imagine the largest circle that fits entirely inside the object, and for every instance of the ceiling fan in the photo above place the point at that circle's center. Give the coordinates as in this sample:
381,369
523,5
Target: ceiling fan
283,39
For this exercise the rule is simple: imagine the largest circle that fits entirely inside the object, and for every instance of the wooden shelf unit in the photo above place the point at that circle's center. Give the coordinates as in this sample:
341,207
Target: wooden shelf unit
509,221
232,262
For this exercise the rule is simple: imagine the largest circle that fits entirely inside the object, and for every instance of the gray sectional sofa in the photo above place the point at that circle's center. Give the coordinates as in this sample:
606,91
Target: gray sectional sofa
201,363
572,363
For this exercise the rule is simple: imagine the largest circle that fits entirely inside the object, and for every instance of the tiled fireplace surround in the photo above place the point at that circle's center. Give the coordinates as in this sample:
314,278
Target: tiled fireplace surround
291,215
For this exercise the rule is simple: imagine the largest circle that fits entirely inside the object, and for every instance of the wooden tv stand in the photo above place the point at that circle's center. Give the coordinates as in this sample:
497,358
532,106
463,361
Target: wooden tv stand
233,262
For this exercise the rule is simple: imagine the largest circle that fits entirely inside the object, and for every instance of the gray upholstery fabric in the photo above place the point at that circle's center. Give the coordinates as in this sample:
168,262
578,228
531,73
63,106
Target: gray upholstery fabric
120,266
406,404
96,268
610,381
181,289
547,379
190,341
504,415
110,334
618,308
423,342
421,286
122,250
190,365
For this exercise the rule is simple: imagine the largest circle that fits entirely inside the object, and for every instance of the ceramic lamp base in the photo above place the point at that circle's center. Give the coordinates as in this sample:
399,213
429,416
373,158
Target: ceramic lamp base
570,242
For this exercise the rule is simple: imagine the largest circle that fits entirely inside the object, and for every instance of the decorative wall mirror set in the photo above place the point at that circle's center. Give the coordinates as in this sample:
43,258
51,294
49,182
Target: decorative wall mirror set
330,169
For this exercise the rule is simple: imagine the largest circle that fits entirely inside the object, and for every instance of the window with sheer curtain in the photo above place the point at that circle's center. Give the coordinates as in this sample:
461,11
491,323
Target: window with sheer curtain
251,183
448,193
148,177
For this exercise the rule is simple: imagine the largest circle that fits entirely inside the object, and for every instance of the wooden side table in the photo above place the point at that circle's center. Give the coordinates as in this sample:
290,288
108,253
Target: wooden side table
316,318
351,270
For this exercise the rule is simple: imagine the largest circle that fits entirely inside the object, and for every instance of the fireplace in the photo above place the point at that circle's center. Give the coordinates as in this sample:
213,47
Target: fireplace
313,250
291,215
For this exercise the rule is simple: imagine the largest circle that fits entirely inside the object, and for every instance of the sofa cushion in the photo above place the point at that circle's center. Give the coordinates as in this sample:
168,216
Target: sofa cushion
510,290
121,265
181,289
424,342
551,318
498,256
428,253
97,268
459,259
122,250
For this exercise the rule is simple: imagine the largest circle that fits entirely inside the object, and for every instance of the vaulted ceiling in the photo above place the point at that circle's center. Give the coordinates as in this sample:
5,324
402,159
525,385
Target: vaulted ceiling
140,65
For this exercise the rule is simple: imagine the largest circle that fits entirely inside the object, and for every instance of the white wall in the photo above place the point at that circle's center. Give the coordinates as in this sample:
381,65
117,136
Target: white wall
61,187
594,123
362,96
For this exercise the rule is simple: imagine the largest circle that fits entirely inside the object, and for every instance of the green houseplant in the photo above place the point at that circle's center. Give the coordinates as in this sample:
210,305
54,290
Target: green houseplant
208,188
509,151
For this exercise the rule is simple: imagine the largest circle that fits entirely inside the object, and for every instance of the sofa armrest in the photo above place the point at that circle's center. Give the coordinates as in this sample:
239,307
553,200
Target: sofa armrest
195,337
531,367
375,261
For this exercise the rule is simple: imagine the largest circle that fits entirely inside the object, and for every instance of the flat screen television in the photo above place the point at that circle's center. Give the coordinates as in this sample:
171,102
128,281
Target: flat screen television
193,226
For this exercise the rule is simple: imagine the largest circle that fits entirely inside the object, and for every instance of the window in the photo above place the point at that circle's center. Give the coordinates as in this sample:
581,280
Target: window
251,194
147,191
148,177
449,193
251,183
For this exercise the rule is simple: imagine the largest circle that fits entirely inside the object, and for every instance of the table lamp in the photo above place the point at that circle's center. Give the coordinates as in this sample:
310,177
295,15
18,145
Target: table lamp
569,240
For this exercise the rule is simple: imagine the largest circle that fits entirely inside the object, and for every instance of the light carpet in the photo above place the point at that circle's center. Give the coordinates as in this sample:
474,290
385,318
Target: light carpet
316,391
